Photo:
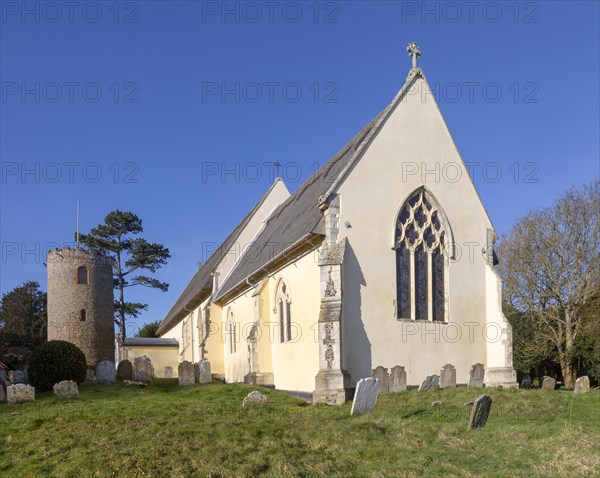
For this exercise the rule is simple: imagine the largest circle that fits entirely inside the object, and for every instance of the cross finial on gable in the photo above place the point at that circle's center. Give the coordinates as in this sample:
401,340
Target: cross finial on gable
413,50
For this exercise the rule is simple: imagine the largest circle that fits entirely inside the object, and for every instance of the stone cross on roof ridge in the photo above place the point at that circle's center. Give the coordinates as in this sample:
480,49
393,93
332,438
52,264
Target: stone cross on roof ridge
414,51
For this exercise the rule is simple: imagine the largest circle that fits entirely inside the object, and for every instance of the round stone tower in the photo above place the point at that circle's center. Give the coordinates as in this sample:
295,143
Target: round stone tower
80,302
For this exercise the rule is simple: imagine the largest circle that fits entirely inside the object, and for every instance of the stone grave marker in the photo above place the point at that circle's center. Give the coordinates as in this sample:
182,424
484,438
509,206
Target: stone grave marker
582,385
480,411
365,397
168,371
20,393
526,382
186,374
106,373
397,379
203,374
448,376
66,389
476,375
254,398
90,375
125,370
431,382
142,369
548,384
381,374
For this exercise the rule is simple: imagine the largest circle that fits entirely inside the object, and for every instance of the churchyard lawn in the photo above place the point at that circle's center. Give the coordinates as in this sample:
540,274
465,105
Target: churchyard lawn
202,430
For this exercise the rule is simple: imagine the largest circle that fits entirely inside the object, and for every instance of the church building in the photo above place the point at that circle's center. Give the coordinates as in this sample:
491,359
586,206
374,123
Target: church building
376,260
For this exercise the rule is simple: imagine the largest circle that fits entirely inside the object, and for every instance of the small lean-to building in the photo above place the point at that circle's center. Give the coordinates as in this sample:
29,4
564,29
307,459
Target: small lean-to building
384,257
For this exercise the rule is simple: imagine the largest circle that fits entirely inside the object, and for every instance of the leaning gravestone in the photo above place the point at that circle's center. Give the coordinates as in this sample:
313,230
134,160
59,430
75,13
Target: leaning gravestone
143,369
480,411
66,389
397,379
20,393
448,376
202,370
125,370
168,372
526,382
365,397
431,382
106,373
186,374
476,375
381,374
548,384
582,385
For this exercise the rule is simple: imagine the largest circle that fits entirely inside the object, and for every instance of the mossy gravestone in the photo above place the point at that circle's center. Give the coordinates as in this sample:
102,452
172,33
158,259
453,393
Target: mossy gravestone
106,373
431,382
143,371
582,385
125,370
397,379
186,374
480,411
548,384
381,374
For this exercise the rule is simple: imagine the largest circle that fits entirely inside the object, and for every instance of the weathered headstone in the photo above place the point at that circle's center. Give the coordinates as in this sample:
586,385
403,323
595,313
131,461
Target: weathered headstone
66,389
582,385
476,375
125,370
17,376
526,382
254,398
548,384
448,376
397,379
168,372
143,369
437,403
186,374
20,393
90,375
431,382
480,411
365,397
106,373
381,374
203,374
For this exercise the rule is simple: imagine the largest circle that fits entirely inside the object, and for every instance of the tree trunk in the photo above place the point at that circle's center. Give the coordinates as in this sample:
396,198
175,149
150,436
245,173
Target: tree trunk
568,373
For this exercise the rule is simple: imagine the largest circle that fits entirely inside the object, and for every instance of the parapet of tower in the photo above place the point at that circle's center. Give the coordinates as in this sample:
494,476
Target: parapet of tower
80,301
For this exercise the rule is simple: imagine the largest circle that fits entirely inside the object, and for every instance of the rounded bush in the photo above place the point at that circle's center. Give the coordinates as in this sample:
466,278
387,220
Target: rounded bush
55,361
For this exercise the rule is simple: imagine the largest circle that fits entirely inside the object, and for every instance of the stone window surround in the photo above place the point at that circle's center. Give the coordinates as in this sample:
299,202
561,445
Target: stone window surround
282,292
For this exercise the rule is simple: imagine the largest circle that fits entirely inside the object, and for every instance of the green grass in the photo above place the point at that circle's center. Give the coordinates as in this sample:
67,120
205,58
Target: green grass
165,430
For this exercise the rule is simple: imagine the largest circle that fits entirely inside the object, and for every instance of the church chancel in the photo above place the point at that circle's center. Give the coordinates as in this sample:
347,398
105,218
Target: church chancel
335,286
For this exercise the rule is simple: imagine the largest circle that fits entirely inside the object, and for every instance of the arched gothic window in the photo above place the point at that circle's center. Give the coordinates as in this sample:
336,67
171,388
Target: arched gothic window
82,275
421,241
231,332
283,304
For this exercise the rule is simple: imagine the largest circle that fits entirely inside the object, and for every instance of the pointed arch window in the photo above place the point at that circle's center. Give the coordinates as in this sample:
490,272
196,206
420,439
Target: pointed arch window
283,309
421,248
231,332
82,275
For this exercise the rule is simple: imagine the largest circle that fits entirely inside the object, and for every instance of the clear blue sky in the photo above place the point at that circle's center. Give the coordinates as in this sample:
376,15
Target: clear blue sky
135,105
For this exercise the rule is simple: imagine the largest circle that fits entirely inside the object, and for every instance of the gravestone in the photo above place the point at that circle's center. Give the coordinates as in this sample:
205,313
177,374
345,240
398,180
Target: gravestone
476,375
254,398
131,383
186,374
66,389
448,376
480,411
381,374
526,382
365,397
89,374
397,379
106,373
17,376
125,370
431,382
582,385
548,384
203,374
168,372
143,369
20,393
